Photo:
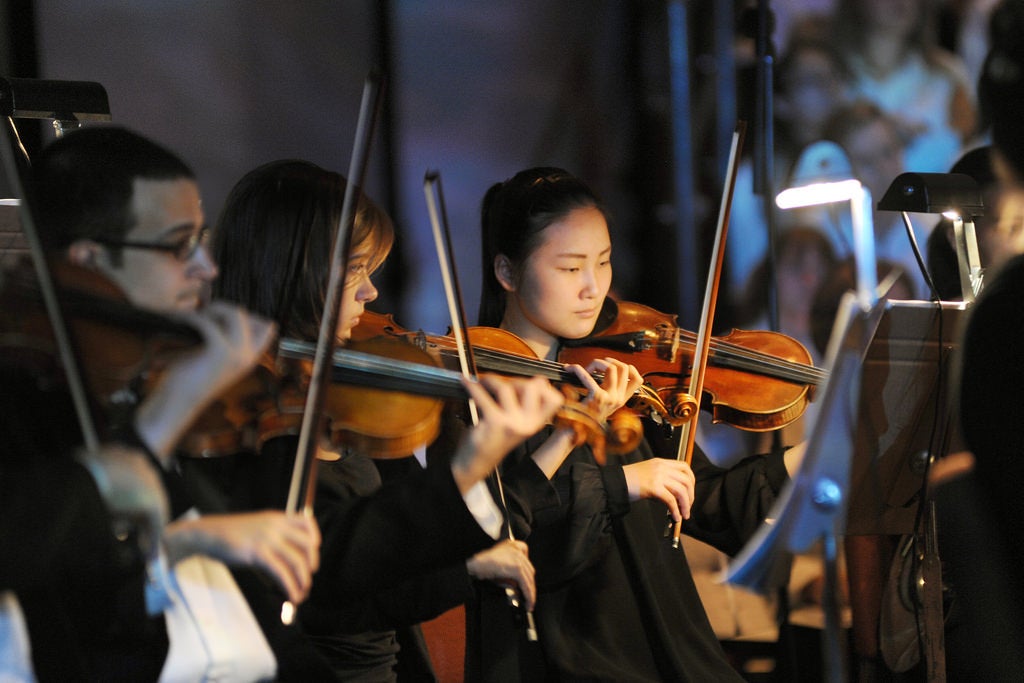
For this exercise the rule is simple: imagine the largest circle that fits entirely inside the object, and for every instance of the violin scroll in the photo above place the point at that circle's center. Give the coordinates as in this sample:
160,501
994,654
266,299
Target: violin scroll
625,431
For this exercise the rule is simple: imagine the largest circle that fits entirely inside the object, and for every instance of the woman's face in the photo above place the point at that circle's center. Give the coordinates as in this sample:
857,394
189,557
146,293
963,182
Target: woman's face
358,291
562,284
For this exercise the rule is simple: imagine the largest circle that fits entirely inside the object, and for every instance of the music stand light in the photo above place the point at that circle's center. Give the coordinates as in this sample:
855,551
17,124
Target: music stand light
859,197
66,103
957,197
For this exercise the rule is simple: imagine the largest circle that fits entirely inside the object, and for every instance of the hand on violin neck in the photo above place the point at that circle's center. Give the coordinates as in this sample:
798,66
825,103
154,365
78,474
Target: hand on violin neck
234,341
618,385
511,410
670,481
506,562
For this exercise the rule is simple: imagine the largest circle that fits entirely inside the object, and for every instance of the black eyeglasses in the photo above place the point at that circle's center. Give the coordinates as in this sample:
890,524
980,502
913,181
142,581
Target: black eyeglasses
182,250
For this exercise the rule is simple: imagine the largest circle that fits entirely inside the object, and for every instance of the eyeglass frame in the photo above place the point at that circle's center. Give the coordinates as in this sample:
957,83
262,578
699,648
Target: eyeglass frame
182,251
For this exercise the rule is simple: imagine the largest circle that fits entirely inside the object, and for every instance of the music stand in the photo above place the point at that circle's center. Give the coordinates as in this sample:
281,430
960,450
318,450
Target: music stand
904,415
905,421
884,414
811,507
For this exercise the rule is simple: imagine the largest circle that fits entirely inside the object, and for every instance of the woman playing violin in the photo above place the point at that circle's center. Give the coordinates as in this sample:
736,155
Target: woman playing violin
272,243
615,601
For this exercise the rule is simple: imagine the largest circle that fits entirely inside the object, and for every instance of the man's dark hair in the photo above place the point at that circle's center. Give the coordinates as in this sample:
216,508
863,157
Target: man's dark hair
81,185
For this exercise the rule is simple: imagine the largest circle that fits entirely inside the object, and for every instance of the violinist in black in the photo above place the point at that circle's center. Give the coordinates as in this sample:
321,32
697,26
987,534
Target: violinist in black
615,601
383,566
80,588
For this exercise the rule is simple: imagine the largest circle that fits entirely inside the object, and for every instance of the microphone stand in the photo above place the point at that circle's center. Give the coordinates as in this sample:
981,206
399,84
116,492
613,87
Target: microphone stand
764,186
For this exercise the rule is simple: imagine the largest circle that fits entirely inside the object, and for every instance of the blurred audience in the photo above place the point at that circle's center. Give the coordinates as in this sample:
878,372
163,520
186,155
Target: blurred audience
808,89
890,56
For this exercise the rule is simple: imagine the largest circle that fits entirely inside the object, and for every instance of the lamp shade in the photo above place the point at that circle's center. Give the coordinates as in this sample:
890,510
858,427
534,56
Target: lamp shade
933,193
30,98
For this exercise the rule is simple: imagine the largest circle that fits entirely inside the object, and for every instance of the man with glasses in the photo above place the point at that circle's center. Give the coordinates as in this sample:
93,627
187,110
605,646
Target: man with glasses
136,217
182,249
113,202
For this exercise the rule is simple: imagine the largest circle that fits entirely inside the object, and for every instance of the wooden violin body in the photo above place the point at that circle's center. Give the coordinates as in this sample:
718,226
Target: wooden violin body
499,351
382,422
755,380
370,417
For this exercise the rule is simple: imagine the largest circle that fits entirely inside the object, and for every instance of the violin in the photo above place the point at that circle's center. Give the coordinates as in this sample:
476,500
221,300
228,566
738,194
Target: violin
375,363
499,351
269,402
757,381
385,399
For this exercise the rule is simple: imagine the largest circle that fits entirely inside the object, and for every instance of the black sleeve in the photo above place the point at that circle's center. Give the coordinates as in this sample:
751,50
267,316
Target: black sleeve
408,603
731,504
53,521
417,524
991,408
993,373
566,521
80,588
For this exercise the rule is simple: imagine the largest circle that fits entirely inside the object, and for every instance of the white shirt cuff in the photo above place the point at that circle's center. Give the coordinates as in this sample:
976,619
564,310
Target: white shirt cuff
484,510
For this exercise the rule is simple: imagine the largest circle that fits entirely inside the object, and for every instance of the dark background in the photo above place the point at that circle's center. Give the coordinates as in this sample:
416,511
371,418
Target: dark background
475,90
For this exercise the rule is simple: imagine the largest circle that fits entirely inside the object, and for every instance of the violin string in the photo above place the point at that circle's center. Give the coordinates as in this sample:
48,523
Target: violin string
416,374
782,369
515,364
762,362
496,360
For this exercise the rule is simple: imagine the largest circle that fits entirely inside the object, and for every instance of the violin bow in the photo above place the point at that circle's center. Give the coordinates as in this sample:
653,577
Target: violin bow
76,386
157,572
302,491
467,362
702,343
